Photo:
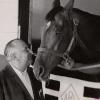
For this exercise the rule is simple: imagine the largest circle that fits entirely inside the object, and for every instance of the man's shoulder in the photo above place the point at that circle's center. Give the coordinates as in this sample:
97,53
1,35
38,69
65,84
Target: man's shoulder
2,76
4,71
3,62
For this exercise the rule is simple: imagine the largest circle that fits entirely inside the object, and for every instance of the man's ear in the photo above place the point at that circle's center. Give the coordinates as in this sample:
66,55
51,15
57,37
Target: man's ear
11,57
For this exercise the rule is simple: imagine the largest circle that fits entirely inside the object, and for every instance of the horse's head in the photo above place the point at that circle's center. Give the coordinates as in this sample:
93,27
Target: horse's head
55,38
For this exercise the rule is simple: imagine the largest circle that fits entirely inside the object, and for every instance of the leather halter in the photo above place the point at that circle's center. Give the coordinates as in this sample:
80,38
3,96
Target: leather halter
64,55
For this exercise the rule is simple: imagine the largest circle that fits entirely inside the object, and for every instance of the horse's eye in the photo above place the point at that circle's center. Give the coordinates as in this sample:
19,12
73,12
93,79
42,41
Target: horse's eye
58,33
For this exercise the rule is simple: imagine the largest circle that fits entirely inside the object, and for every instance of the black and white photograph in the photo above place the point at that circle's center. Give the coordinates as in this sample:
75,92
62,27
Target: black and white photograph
49,50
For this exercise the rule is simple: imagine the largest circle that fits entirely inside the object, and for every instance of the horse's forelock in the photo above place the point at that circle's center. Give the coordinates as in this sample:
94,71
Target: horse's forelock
51,14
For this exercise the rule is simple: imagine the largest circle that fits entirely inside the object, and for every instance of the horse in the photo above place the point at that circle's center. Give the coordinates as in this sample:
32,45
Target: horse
70,39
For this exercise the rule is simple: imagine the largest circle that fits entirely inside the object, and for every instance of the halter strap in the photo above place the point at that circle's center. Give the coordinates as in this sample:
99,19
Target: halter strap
62,55
76,22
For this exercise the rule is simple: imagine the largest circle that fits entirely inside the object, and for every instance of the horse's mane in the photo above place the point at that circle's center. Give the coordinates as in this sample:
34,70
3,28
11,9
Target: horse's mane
51,14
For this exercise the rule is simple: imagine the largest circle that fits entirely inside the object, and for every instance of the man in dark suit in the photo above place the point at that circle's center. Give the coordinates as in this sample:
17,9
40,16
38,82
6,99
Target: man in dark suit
17,81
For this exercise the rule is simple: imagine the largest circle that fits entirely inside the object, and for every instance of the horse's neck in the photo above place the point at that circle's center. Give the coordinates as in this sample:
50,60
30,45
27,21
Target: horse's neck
88,32
88,29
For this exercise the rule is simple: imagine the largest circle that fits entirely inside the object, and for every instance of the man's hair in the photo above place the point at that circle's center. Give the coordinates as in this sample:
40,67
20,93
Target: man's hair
9,46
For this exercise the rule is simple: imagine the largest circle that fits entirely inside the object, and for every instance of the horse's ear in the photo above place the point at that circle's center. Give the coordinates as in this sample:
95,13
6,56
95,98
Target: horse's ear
56,3
68,7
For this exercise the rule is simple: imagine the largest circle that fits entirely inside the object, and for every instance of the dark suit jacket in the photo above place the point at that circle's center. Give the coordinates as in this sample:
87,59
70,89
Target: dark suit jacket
11,87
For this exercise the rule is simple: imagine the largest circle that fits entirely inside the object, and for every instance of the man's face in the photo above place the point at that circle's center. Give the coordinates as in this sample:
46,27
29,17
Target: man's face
23,55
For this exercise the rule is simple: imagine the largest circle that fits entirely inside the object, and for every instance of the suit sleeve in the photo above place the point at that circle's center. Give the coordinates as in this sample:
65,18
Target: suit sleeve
1,90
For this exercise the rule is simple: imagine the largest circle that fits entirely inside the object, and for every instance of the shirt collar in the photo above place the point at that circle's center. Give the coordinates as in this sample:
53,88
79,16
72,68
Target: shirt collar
18,71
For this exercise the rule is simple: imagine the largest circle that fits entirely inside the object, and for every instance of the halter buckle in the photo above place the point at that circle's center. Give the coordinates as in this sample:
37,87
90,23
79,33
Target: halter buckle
75,21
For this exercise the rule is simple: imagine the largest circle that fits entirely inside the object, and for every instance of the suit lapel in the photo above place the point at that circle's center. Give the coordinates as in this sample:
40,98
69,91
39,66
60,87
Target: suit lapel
30,73
35,84
13,74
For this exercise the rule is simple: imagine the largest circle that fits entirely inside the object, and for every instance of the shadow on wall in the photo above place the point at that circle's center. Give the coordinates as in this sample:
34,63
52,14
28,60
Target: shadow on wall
37,24
35,46
40,9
